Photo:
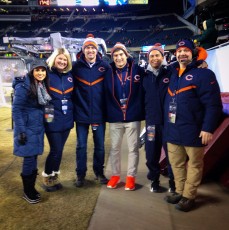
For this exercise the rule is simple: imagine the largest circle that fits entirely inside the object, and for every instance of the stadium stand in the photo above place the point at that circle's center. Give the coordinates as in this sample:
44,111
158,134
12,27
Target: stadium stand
133,28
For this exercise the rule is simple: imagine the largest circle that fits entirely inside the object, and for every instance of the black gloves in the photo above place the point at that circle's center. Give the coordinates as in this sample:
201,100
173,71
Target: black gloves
22,138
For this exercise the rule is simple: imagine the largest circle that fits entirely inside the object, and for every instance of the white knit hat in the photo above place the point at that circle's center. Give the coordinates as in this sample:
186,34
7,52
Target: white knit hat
119,45
90,41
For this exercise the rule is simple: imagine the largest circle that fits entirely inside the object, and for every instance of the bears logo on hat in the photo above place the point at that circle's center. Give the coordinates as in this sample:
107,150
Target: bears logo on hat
90,41
185,43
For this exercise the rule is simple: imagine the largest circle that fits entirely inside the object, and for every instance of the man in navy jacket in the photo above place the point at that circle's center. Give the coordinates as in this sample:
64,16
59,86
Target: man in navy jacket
89,100
192,111
155,84
125,110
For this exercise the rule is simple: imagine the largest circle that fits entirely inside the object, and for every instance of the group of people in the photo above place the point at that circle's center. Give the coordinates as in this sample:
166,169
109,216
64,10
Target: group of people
180,103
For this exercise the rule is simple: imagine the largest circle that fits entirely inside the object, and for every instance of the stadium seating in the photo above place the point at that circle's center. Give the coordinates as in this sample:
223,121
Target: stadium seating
132,31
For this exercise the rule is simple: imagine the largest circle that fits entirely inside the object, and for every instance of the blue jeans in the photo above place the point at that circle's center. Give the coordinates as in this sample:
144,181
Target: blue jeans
56,142
29,165
153,154
81,149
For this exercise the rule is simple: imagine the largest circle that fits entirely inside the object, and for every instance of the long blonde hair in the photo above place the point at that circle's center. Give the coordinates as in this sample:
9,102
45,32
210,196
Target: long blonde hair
51,60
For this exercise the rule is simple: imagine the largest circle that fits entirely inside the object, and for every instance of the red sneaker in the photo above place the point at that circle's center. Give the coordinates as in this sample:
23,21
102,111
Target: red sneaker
130,183
112,183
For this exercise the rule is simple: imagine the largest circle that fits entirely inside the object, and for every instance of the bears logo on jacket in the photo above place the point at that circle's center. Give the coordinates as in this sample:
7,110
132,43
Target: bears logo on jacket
137,78
101,69
189,77
166,80
70,79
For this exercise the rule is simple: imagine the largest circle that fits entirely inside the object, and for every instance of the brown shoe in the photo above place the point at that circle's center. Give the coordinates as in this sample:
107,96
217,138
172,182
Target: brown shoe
56,182
185,204
50,182
174,198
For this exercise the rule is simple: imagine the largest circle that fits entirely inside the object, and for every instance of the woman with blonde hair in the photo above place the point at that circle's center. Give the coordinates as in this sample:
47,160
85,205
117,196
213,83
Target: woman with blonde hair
59,120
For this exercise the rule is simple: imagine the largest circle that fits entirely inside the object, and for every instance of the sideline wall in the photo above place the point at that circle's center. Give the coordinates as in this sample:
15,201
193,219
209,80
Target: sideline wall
218,62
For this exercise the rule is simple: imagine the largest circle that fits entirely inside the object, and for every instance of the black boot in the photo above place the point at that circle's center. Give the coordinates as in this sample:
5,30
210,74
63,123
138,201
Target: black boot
172,187
35,173
29,194
102,179
155,186
80,181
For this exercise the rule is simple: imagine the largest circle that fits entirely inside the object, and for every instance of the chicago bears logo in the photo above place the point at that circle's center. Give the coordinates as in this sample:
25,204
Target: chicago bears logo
128,78
166,80
182,43
101,69
137,78
189,77
70,79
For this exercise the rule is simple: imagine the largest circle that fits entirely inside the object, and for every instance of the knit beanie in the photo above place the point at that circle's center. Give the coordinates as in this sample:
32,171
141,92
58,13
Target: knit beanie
158,47
36,64
90,41
119,45
185,43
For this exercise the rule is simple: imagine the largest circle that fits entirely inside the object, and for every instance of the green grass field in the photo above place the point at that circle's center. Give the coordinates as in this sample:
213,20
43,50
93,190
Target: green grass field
69,208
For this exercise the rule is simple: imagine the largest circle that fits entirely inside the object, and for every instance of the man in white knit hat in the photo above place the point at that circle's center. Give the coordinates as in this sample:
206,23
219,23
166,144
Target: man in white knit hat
89,73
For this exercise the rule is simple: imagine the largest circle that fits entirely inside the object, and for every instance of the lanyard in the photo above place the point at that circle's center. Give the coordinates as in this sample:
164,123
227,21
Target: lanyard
122,81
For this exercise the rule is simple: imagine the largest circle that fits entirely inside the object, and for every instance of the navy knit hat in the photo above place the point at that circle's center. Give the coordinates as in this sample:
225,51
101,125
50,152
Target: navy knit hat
185,43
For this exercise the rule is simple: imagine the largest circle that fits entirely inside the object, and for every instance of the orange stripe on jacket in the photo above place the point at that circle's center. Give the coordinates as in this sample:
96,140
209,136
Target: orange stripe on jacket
60,92
90,83
181,90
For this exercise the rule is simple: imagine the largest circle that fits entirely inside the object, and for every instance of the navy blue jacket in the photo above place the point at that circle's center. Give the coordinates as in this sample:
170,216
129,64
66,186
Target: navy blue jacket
155,89
89,96
28,118
61,87
135,101
199,105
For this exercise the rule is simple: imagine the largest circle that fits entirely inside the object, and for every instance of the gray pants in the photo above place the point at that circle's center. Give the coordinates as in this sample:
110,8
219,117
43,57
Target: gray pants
117,130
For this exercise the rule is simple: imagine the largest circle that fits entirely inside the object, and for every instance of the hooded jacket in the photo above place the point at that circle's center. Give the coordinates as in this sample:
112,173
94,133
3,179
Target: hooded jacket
28,118
89,95
198,105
